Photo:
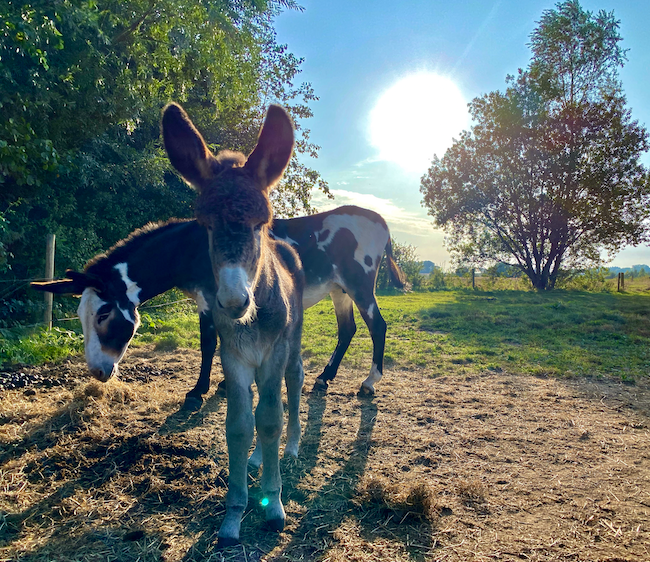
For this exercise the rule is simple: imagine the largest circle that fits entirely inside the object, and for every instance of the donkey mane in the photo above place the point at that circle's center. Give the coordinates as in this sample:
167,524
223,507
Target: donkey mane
137,238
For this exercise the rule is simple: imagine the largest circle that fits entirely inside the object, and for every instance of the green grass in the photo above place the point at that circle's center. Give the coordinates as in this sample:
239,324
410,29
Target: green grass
560,333
34,346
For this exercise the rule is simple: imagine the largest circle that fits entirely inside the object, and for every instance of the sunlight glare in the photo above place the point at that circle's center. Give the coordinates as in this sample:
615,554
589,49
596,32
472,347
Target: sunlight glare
418,117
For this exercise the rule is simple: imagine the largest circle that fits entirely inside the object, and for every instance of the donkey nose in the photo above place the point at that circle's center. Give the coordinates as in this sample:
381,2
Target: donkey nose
235,308
103,373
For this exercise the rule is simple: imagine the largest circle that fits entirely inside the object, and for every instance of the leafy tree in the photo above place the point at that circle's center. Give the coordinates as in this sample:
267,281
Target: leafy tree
550,174
82,83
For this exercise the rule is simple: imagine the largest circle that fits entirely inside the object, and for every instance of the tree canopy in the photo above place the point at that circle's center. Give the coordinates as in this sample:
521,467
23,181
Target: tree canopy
82,83
549,176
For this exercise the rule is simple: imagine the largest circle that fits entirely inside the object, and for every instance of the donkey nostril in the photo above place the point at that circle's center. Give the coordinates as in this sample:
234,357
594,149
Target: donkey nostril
248,301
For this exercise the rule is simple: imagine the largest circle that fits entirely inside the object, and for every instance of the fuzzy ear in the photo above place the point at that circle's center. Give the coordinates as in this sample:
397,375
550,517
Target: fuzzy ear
186,148
270,157
74,284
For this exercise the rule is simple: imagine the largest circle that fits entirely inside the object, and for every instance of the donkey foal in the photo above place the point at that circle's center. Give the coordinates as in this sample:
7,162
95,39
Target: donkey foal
258,309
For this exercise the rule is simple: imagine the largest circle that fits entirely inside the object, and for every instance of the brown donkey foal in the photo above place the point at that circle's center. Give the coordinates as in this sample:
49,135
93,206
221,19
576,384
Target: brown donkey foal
258,309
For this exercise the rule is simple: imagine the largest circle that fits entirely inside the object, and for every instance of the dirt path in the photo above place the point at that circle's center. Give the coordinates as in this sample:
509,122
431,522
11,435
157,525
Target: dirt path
489,467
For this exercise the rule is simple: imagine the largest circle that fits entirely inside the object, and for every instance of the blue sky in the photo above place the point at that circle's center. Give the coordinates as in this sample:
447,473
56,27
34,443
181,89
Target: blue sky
355,51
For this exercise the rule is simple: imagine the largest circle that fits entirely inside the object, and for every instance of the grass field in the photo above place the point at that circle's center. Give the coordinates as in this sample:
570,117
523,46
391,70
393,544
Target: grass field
559,333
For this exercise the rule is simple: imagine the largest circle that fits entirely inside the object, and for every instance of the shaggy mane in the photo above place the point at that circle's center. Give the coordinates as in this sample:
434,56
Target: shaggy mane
138,236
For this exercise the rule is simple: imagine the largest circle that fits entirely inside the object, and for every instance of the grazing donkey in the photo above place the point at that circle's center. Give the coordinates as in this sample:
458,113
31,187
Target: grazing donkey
340,250
258,306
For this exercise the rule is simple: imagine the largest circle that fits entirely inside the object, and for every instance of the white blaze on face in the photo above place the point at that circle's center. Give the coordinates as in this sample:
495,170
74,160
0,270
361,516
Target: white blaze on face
132,291
96,357
371,236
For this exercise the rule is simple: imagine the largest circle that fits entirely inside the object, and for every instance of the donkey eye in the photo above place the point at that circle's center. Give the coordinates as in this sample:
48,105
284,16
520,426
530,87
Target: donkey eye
103,313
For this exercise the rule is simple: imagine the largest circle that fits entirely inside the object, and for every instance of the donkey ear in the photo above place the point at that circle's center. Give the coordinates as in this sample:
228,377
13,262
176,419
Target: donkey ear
74,285
274,147
185,147
85,280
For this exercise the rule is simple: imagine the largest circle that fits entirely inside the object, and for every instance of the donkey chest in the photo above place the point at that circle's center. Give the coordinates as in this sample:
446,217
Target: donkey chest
246,342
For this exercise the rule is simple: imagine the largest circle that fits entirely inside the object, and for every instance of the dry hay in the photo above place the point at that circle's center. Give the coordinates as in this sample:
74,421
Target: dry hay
490,467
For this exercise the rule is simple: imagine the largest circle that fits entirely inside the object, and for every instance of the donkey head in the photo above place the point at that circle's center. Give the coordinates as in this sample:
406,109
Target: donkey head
233,202
108,315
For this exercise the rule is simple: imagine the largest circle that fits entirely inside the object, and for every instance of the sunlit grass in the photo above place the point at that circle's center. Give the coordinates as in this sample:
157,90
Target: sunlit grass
38,345
558,333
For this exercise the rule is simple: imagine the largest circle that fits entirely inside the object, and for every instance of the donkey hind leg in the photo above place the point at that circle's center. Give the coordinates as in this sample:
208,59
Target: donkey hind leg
240,425
268,422
294,378
377,327
347,328
194,398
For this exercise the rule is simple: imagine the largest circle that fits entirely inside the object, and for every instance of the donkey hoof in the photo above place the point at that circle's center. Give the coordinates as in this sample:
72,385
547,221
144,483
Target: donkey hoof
225,542
275,525
366,391
192,404
221,388
320,384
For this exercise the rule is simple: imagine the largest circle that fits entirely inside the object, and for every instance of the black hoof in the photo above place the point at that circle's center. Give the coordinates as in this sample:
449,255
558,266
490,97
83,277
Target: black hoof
192,404
221,388
365,392
320,385
225,542
275,525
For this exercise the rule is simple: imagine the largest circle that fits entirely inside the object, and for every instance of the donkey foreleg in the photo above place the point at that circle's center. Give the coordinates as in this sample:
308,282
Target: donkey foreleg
294,379
346,330
194,398
240,426
268,422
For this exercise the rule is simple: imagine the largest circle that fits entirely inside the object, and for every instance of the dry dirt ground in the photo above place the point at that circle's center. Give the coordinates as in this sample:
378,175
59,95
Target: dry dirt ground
484,467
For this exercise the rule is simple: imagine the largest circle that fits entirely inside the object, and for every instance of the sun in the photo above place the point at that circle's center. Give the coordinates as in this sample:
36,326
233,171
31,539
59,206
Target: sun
417,117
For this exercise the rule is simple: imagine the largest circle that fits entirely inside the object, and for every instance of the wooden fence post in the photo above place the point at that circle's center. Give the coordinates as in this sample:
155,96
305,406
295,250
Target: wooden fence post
621,281
49,275
473,279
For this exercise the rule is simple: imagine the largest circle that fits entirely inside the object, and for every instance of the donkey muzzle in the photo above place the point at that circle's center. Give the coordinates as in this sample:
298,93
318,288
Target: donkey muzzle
104,372
235,311
233,294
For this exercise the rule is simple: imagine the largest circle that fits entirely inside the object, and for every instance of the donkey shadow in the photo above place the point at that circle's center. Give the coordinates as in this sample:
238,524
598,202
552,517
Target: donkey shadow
343,482
185,419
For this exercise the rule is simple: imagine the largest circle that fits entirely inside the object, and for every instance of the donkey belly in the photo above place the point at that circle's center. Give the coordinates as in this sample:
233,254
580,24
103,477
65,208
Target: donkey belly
316,293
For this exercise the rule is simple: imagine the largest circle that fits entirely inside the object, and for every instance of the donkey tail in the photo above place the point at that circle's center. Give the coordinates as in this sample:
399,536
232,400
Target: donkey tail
397,276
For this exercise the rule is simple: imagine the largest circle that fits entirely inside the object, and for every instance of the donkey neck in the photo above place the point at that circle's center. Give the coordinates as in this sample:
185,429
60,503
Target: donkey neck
155,259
